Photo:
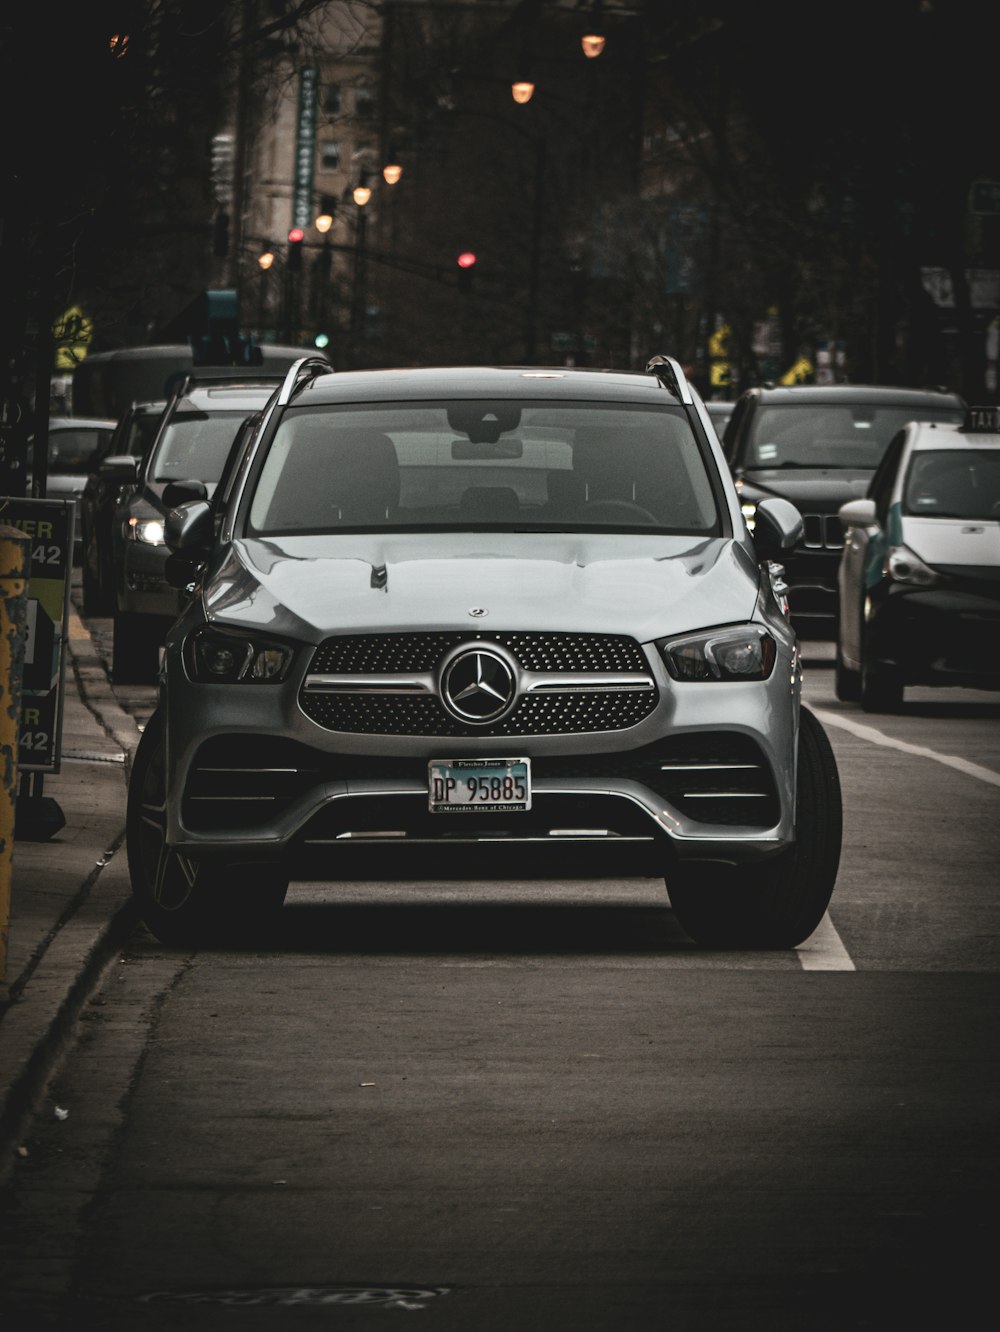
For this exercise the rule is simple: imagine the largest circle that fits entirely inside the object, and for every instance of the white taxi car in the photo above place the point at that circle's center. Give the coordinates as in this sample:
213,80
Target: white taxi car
919,579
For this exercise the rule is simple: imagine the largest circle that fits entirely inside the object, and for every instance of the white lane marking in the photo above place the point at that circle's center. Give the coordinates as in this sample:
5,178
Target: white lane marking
870,734
824,950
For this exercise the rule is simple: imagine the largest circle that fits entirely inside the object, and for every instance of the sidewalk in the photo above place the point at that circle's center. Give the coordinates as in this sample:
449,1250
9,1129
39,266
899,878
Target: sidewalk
70,901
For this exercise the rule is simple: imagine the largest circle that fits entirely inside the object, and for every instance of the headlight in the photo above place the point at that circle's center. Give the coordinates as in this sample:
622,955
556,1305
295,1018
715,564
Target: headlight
738,652
149,530
902,566
214,657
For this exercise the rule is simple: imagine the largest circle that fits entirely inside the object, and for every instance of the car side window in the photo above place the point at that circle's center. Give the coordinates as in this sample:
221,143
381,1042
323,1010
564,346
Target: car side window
732,431
880,489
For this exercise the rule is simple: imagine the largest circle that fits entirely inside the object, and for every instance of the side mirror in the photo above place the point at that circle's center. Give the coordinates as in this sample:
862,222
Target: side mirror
189,529
120,467
778,526
858,513
176,493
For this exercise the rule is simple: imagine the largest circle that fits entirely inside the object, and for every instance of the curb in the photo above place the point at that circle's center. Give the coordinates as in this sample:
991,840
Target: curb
38,1024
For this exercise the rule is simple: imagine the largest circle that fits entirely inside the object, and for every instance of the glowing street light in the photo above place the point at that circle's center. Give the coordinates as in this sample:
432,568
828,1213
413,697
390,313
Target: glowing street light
592,41
522,91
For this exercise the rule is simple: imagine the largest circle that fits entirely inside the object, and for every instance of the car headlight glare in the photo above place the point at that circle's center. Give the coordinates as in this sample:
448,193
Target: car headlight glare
147,530
749,511
903,566
741,652
216,658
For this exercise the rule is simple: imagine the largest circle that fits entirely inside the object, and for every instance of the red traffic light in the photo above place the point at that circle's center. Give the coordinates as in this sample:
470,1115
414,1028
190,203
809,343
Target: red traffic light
466,259
296,234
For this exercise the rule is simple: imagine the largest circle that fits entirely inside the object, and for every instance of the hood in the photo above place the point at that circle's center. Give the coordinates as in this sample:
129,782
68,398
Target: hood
823,488
308,587
961,542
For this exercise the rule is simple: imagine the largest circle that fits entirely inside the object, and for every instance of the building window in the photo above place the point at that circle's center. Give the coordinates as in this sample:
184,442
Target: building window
364,100
329,155
331,99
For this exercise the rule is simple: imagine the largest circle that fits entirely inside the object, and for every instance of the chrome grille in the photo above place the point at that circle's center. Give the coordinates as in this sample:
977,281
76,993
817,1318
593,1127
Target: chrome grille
823,531
545,714
352,684
387,654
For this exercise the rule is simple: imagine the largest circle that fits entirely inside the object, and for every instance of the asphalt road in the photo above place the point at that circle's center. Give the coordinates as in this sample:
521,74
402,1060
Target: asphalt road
519,1106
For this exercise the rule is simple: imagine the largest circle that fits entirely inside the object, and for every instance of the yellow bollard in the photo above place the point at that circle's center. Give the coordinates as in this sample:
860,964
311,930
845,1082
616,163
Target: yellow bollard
15,565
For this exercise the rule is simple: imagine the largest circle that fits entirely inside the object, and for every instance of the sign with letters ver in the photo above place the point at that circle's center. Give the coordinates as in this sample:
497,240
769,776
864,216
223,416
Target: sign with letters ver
49,524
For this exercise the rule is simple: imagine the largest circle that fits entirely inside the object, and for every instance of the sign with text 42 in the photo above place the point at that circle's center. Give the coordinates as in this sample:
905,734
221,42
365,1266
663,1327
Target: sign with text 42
49,524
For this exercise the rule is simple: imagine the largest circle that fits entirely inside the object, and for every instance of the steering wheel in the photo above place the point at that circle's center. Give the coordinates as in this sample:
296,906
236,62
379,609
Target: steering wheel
620,510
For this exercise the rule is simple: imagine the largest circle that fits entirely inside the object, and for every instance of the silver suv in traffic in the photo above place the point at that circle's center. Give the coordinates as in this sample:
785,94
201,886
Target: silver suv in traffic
508,614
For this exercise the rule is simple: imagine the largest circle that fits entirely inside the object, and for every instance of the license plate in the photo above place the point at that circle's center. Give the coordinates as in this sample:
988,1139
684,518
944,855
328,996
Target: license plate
491,786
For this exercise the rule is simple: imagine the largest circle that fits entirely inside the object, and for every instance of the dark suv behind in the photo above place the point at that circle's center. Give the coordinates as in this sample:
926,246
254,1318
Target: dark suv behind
185,460
818,446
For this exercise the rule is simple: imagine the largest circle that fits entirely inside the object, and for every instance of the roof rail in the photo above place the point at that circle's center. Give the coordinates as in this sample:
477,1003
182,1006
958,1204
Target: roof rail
305,370
670,375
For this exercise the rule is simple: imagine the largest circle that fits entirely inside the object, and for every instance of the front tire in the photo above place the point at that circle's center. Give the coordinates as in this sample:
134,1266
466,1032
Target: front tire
777,903
846,683
186,902
881,686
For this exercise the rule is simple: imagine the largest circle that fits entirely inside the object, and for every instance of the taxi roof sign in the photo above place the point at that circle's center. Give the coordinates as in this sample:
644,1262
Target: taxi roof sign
982,421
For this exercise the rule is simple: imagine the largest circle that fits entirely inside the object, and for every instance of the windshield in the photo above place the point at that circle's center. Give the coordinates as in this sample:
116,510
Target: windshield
957,483
484,464
194,446
833,435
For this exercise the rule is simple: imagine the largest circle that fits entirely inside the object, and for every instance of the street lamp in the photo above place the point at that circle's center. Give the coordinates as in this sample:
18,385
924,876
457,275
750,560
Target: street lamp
264,261
592,42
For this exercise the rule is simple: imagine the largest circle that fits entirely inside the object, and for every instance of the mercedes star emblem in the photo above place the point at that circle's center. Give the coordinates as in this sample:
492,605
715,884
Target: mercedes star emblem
478,685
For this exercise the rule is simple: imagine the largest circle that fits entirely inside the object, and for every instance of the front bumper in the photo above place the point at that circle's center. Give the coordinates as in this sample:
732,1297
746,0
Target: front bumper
707,774
938,636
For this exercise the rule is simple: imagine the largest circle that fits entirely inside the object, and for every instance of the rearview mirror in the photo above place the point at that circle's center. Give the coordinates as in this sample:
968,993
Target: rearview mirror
190,528
778,526
182,492
858,513
120,467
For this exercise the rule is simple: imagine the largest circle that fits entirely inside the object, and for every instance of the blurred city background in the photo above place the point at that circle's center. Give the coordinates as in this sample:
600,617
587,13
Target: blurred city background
766,191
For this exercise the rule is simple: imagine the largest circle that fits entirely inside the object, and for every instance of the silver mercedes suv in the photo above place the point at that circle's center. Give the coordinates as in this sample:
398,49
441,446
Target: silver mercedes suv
508,618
